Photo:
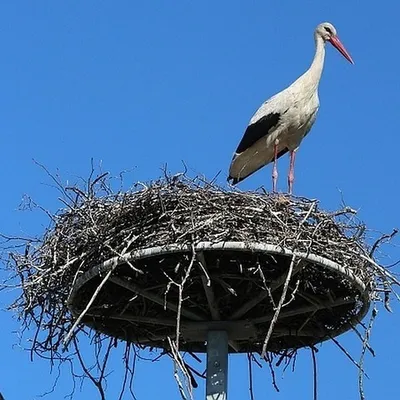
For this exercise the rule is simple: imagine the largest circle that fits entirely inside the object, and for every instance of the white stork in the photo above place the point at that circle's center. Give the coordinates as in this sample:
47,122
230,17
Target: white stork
281,123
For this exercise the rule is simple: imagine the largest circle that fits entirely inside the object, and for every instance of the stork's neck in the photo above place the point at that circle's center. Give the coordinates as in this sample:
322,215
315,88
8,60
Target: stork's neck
311,78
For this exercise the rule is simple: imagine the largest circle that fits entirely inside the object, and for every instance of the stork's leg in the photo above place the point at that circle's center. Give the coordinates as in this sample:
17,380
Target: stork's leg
275,169
291,170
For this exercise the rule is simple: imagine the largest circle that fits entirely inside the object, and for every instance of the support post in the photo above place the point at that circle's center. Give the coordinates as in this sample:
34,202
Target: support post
217,365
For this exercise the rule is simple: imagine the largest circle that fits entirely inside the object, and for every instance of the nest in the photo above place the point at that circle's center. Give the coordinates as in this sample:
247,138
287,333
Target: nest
162,264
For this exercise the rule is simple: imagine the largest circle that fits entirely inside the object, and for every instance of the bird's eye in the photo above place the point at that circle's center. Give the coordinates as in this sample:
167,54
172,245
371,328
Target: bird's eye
328,30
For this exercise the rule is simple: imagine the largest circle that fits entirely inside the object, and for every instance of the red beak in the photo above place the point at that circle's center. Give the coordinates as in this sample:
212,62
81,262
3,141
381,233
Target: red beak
339,46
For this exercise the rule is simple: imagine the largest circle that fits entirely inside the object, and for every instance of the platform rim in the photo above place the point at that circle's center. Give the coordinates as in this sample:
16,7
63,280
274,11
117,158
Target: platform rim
138,254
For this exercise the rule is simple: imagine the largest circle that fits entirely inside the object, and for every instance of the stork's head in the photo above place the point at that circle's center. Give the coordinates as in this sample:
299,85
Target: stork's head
328,33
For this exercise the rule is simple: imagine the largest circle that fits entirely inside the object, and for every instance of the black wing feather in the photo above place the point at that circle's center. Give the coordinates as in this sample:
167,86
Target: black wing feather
257,130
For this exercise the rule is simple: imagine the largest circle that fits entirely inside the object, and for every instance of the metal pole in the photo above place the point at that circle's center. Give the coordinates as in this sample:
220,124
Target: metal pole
217,365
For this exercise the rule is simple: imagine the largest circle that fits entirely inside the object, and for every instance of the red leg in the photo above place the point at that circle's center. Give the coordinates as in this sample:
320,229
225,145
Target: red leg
275,169
291,171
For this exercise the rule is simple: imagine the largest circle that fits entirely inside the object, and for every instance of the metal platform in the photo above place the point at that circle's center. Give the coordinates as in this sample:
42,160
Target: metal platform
230,296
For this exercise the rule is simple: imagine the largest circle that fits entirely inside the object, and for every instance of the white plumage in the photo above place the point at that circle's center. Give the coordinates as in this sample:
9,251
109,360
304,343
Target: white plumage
281,123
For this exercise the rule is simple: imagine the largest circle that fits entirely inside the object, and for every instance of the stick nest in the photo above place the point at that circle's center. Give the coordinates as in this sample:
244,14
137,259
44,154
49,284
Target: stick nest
170,300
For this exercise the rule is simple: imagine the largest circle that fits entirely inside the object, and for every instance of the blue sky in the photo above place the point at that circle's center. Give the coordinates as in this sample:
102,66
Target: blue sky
136,85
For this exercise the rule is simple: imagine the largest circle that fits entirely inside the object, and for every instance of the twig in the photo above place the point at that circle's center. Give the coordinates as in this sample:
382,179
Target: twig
180,295
278,308
93,298
364,348
347,354
179,364
250,367
380,240
271,370
314,360
96,382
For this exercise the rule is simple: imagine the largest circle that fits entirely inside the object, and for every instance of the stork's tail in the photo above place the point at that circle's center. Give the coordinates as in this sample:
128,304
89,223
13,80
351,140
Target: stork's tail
233,181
